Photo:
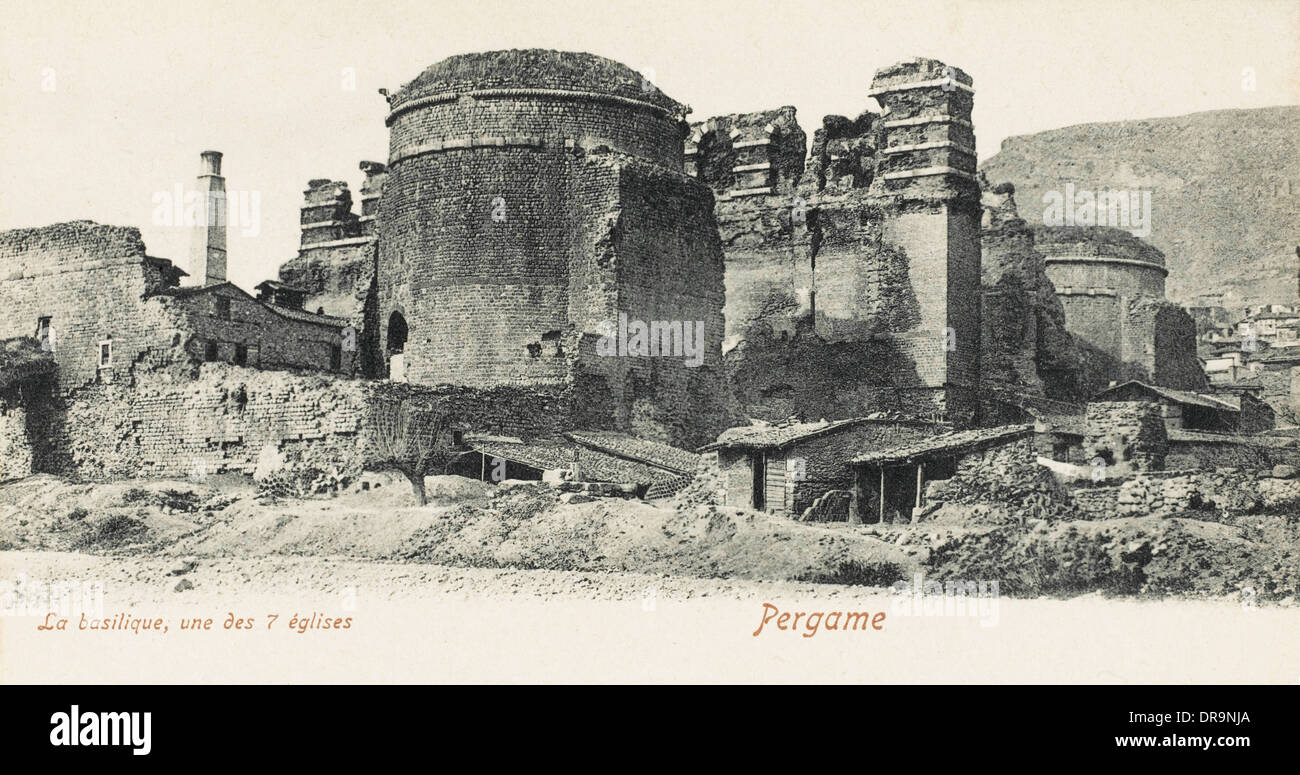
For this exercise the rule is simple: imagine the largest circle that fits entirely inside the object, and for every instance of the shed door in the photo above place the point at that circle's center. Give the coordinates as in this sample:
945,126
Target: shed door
758,464
775,482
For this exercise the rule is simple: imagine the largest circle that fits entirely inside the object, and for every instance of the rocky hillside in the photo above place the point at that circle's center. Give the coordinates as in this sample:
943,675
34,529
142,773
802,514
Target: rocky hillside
1223,185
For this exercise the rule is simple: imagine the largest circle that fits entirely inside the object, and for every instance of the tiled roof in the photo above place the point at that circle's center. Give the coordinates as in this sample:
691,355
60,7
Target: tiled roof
1249,383
558,454
1281,354
276,285
643,450
667,487
775,436
310,317
1177,396
288,312
947,443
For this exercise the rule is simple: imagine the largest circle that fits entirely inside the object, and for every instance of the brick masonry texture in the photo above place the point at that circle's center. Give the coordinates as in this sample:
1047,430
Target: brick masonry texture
530,198
1027,354
524,222
97,287
221,420
91,282
853,277
1112,288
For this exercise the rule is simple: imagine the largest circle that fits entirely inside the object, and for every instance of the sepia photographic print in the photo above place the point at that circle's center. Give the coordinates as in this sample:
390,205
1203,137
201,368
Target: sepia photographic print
838,341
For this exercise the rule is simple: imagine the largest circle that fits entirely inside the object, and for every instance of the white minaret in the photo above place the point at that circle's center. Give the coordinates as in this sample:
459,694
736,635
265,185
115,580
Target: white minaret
208,252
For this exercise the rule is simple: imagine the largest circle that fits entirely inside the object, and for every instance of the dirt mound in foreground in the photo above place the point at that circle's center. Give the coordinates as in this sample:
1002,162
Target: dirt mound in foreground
470,524
466,523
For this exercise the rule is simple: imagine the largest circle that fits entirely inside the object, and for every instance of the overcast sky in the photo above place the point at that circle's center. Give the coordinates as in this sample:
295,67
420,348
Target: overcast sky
107,103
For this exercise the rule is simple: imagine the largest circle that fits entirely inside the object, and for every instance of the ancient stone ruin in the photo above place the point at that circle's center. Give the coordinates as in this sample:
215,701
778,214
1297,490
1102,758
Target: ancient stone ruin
551,246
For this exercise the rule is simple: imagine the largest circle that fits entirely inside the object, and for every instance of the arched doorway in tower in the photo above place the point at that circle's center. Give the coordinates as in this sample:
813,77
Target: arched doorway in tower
395,347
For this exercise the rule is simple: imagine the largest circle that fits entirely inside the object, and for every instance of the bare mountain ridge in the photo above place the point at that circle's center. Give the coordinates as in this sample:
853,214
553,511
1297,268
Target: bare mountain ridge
1224,187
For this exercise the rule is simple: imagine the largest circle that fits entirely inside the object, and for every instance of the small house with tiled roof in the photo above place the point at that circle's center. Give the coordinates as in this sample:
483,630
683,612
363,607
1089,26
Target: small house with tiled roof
1186,410
890,481
787,468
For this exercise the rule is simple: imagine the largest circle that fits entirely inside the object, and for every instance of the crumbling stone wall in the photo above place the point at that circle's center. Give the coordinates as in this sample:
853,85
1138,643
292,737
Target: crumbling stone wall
1281,390
1235,452
1027,353
15,443
218,423
748,153
1004,474
224,418
91,281
870,259
1112,289
1219,493
101,291
1127,436
1160,341
336,277
336,261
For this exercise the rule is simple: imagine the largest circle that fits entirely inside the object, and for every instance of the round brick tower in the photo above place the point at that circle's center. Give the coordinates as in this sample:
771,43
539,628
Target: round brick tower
532,195
1098,257
1111,285
480,208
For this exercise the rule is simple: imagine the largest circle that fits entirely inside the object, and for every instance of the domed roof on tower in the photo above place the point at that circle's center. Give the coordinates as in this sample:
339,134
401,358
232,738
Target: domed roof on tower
533,68
1101,241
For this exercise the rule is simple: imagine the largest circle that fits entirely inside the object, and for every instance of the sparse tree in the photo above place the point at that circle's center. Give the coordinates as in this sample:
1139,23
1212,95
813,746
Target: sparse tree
410,438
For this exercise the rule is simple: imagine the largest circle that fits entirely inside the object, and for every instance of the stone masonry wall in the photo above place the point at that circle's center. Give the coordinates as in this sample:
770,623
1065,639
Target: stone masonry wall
1214,494
91,281
1007,474
1112,287
854,288
475,290
336,262
516,223
273,338
1128,435
1026,351
223,419
1160,343
15,442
